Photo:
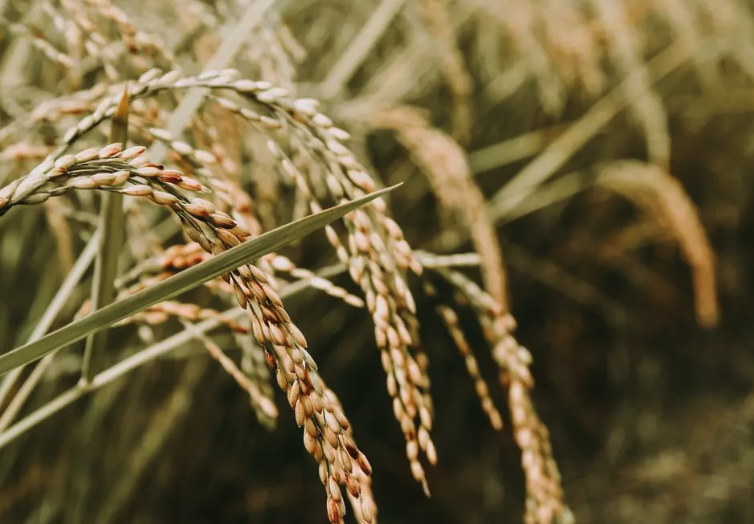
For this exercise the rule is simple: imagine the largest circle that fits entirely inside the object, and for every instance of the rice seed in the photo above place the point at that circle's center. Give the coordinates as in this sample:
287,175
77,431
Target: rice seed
109,151
148,172
138,190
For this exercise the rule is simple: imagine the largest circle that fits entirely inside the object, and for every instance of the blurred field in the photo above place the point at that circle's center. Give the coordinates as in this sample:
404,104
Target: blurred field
596,155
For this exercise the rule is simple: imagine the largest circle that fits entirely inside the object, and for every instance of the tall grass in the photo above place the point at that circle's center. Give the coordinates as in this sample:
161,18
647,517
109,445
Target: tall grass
166,166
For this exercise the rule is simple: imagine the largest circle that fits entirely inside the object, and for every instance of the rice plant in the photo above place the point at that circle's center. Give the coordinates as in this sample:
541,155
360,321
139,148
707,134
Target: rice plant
294,189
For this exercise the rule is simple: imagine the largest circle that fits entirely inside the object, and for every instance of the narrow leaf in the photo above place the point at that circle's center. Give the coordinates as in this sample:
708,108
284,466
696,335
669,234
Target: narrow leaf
112,225
223,263
53,309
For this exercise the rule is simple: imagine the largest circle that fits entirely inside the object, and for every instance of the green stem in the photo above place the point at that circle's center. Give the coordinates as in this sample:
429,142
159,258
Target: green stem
112,225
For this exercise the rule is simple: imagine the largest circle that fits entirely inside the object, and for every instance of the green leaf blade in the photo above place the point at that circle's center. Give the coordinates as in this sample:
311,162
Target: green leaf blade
189,279
112,224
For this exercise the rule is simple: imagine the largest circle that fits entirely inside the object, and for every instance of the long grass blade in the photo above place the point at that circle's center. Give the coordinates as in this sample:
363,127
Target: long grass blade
64,293
180,283
135,361
112,225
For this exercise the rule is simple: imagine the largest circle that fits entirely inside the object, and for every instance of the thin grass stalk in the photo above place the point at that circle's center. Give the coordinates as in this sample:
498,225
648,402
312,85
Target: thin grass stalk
576,136
185,281
357,52
112,225
57,303
139,359
162,424
180,118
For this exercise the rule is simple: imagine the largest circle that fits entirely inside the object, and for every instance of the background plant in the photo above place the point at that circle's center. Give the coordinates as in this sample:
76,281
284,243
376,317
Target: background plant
564,141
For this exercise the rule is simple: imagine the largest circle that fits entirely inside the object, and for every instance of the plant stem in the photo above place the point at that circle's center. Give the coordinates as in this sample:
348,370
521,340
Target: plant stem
134,361
112,225
222,58
185,281
52,311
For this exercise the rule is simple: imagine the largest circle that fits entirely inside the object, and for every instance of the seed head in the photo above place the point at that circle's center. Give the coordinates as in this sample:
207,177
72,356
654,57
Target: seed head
196,210
190,184
132,152
170,176
333,511
163,198
148,171
103,179
205,157
222,220
138,161
83,183
87,155
64,162
228,238
138,190
109,151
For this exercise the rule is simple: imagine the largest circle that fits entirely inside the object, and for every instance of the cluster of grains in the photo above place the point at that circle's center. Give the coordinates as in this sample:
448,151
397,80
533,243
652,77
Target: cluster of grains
285,265
229,192
377,255
663,198
110,168
450,318
129,172
365,508
47,49
160,313
135,40
93,28
183,256
315,407
444,163
259,395
544,492
377,258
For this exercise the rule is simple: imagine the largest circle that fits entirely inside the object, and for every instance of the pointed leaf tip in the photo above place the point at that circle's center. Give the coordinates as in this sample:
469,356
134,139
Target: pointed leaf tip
191,278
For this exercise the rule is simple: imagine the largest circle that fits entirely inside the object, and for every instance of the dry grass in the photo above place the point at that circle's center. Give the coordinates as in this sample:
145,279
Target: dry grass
501,118
664,200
